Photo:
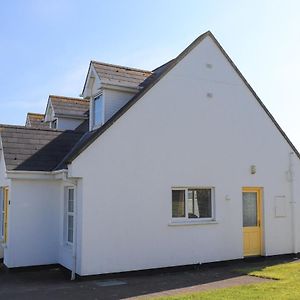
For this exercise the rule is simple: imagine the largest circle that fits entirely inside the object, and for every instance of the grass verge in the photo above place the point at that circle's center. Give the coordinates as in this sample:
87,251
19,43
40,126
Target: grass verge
286,285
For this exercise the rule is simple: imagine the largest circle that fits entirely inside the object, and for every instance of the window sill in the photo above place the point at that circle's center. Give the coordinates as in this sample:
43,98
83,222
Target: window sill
188,223
68,245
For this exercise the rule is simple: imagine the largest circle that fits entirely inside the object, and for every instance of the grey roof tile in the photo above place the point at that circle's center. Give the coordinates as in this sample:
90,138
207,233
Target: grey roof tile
120,75
30,149
35,120
67,106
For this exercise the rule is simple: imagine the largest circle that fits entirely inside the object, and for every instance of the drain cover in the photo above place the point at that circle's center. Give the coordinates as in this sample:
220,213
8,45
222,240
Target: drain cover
110,282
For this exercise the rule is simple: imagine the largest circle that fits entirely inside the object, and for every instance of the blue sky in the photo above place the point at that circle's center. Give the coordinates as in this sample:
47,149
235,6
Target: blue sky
46,46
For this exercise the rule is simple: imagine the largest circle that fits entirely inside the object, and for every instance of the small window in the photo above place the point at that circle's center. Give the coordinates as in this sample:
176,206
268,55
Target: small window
54,124
98,111
2,211
178,204
69,215
192,203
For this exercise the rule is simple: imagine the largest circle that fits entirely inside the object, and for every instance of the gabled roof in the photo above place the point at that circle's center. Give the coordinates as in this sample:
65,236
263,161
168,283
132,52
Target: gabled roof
36,120
70,107
30,149
146,85
120,75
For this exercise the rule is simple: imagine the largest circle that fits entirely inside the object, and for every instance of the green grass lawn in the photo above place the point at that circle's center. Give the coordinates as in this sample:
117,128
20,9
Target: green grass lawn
285,286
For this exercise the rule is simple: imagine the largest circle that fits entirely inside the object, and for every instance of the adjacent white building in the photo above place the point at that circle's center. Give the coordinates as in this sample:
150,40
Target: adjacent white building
181,165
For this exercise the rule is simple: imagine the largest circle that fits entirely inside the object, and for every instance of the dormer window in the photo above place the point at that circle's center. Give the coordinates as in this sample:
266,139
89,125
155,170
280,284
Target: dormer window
53,124
98,111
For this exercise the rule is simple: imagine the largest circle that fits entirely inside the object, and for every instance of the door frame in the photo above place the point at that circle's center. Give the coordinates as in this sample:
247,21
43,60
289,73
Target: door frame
260,211
5,191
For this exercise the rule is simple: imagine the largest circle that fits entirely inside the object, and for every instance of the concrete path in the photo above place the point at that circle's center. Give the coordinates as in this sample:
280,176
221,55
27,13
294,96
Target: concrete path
231,282
55,283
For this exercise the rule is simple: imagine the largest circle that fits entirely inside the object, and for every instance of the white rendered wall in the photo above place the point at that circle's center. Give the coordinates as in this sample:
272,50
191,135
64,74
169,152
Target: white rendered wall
91,89
177,135
68,123
33,223
3,182
114,100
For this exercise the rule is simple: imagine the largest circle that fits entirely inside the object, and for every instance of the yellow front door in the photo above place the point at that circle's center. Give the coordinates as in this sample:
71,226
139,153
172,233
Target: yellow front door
252,221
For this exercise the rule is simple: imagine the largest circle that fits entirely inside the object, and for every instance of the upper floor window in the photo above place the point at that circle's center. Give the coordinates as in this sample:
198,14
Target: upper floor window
53,124
98,111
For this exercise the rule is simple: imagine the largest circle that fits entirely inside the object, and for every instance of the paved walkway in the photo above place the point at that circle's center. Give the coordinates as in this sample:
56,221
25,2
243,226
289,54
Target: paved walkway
231,282
55,283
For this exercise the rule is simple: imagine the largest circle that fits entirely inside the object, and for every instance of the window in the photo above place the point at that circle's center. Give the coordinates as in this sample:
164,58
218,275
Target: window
54,124
178,204
69,215
2,211
98,111
192,203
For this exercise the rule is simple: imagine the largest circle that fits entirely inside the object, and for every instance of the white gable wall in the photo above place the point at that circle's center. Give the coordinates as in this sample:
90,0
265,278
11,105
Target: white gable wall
33,223
91,88
178,136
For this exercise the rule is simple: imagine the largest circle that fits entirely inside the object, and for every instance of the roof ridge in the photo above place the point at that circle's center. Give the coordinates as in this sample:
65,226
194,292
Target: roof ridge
69,98
36,114
120,66
30,128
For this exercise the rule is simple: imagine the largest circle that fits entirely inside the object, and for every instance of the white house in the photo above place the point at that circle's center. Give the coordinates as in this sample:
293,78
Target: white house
181,165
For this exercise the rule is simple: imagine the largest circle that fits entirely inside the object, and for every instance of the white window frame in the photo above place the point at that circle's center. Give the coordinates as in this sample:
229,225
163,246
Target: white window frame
186,219
2,214
69,213
55,121
93,111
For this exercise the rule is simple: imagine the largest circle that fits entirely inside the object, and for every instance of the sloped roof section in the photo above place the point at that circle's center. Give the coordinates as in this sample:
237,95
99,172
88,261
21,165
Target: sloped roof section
120,75
35,120
148,83
155,74
28,149
67,106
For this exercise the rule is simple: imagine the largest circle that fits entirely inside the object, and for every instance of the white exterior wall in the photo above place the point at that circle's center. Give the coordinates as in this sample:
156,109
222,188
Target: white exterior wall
33,223
3,182
68,123
114,100
177,136
91,89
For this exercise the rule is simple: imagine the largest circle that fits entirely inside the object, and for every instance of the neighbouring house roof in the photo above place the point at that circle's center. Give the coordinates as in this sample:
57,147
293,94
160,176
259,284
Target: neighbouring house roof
154,77
120,75
36,120
31,149
70,107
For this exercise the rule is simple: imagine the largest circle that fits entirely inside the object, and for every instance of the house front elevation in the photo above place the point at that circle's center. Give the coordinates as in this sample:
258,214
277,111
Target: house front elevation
180,165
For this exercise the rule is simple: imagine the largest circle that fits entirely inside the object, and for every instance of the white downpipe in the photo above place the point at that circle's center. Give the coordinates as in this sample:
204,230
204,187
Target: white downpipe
74,248
292,201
